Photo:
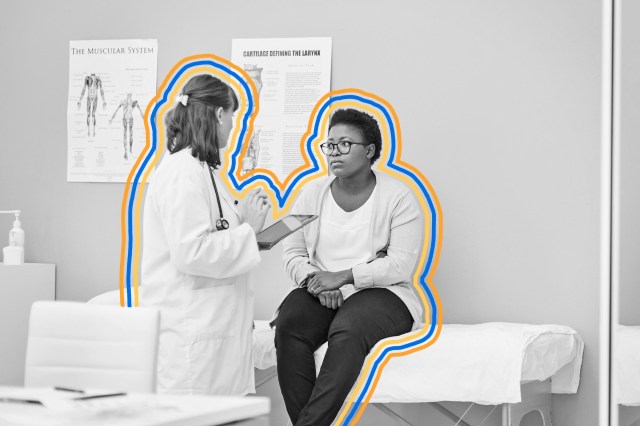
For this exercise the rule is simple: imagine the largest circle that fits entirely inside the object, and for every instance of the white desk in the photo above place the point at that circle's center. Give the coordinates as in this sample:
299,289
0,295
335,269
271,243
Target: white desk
138,410
20,286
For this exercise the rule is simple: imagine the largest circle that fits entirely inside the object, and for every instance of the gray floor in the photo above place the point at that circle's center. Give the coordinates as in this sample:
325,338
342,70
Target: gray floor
417,414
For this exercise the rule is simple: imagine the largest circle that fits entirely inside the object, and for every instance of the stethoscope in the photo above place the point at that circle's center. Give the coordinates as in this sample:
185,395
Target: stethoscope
221,224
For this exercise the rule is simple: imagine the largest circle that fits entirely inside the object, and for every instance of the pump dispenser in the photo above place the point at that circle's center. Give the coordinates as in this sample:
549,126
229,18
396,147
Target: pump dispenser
14,253
17,233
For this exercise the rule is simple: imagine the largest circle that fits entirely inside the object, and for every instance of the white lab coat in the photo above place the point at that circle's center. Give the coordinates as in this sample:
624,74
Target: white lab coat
197,276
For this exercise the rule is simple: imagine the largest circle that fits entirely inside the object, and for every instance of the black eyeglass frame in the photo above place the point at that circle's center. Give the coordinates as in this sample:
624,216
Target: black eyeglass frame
333,146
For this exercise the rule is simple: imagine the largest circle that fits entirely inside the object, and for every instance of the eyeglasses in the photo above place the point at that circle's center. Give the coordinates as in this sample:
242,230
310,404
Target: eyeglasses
343,147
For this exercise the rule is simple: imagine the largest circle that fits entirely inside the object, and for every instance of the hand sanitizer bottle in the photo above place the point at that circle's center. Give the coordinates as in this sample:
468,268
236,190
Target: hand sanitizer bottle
14,253
17,232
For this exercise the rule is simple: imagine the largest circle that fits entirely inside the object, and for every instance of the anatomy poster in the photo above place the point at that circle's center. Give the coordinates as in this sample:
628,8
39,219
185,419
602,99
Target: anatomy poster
111,82
291,75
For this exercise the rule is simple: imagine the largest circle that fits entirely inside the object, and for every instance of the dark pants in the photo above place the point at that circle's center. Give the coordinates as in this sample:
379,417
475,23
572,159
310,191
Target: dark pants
303,325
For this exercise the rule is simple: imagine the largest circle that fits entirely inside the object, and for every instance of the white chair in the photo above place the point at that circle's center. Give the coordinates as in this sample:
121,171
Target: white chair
112,297
80,345
109,298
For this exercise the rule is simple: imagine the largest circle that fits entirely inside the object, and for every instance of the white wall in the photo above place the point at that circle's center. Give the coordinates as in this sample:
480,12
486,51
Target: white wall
499,105
630,158
629,214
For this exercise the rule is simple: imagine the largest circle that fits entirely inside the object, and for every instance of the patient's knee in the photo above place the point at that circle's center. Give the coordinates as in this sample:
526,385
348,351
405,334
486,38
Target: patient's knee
346,333
292,316
286,324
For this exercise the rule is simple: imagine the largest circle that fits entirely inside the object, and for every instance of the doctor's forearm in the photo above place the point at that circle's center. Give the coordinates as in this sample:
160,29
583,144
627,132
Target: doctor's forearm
221,254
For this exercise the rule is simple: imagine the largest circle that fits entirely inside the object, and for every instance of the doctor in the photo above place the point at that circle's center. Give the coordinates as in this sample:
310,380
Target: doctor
197,249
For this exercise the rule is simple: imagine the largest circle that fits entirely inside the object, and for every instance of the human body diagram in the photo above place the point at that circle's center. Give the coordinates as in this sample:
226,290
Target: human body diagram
128,105
91,84
250,161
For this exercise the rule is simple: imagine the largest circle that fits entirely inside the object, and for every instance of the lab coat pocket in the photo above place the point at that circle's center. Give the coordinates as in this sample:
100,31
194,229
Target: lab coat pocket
213,310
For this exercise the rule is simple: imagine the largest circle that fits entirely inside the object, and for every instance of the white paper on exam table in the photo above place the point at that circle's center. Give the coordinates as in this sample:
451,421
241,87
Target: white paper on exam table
483,363
626,361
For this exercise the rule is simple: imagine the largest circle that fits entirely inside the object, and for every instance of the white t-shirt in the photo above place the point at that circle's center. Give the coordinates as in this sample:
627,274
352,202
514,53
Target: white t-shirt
344,239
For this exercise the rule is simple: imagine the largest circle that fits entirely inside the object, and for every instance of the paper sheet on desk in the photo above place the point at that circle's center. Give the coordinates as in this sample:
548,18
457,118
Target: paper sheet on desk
124,411
53,398
136,410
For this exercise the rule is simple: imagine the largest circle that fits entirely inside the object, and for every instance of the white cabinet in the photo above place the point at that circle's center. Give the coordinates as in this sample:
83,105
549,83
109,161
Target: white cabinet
20,286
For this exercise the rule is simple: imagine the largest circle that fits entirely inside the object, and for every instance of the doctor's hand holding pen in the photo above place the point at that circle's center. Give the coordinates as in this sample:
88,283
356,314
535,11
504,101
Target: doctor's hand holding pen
254,208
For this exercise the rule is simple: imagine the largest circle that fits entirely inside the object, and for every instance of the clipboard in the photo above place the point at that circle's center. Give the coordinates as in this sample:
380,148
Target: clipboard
269,237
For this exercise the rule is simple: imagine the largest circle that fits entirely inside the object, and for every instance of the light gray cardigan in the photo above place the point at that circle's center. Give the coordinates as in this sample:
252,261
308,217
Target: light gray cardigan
397,229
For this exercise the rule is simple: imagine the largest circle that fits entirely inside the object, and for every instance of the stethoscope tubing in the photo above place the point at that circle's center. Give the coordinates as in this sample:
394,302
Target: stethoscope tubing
222,223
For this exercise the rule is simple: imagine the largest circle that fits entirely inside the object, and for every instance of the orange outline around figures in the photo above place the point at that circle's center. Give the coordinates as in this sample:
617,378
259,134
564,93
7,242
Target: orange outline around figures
158,154
322,170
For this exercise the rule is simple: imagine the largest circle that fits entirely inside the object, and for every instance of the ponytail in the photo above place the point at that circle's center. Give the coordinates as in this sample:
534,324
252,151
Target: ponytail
194,125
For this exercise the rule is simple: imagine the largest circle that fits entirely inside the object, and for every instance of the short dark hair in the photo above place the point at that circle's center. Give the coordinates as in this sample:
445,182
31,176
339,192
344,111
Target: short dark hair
194,124
362,121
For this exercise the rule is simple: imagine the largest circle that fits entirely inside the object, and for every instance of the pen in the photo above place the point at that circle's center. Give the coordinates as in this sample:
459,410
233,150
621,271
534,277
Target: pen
106,395
20,401
59,388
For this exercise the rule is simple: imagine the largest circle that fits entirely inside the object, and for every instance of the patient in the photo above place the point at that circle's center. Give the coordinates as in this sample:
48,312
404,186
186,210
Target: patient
352,269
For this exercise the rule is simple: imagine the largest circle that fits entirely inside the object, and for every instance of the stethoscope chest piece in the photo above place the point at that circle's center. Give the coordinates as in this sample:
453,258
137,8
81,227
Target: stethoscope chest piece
222,223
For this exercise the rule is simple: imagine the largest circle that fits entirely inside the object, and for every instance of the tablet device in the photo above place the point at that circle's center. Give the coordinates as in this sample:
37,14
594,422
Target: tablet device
286,226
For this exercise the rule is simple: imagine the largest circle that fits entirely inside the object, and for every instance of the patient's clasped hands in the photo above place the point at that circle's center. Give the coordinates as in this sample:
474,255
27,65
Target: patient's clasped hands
326,286
331,299
320,281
